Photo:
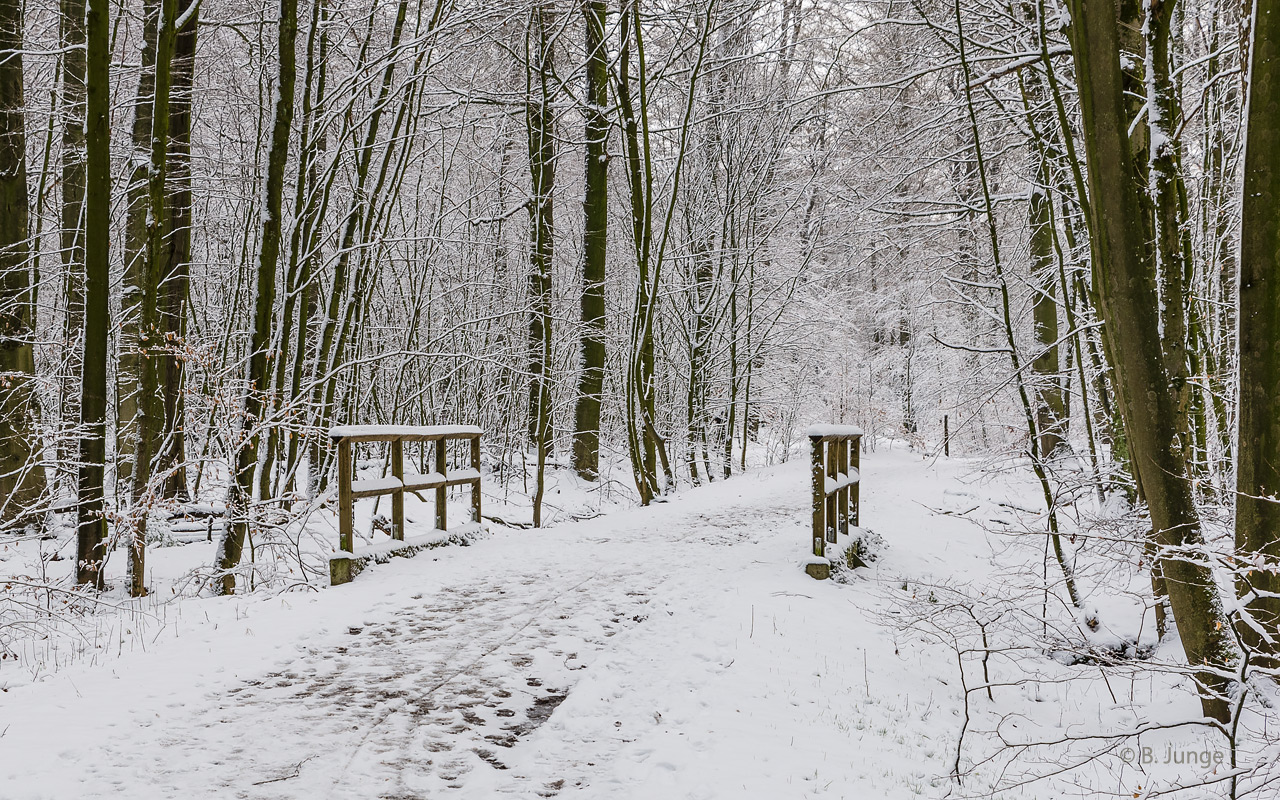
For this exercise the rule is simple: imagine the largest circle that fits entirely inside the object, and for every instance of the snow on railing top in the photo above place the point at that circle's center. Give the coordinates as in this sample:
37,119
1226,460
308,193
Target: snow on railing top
833,430
386,432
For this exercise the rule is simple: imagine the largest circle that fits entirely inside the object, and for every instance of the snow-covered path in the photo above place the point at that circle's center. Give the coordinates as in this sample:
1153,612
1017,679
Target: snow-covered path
675,651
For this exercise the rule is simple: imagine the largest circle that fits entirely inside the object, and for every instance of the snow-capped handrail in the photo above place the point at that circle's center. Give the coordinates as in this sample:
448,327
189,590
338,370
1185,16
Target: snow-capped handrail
396,484
833,431
836,479
416,433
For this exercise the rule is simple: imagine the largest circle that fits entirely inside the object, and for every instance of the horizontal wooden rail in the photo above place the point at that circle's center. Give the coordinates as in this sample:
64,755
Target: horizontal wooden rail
396,484
835,476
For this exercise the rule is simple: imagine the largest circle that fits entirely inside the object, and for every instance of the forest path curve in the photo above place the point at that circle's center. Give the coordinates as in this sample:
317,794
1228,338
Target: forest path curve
673,651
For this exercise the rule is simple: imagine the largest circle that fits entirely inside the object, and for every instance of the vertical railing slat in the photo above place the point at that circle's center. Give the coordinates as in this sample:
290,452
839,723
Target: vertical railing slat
397,499
842,496
819,494
856,463
833,448
346,522
475,487
442,493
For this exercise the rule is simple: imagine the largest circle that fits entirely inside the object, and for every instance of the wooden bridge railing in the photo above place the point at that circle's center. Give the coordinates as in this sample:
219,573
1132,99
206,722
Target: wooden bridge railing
399,482
835,480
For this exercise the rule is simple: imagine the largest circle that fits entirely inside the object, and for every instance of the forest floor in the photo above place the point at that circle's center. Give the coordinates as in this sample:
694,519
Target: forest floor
675,651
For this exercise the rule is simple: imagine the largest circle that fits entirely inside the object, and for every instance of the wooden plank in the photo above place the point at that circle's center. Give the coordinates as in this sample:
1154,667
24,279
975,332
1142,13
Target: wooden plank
374,487
475,488
416,483
397,499
404,437
819,494
406,433
346,522
462,477
442,493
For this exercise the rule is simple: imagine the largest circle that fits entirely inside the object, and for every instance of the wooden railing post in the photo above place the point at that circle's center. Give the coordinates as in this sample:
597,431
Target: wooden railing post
855,490
475,487
819,494
346,521
397,499
442,493
833,448
842,501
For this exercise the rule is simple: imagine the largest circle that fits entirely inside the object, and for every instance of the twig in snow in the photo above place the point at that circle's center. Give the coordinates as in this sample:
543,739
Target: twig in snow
297,770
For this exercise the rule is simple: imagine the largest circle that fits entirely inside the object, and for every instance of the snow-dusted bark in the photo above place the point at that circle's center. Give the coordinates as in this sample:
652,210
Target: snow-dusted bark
1258,440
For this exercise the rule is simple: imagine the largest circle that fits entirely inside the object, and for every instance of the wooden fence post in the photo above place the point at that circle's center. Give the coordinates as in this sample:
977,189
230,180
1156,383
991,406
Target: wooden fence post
842,501
442,493
475,488
857,487
833,448
346,522
819,494
397,499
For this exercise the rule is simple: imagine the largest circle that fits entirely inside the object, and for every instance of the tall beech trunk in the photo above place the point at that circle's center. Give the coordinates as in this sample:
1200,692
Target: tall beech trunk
1258,442
542,154
595,210
258,372
1125,283
1165,188
133,308
150,343
175,283
22,481
90,519
71,239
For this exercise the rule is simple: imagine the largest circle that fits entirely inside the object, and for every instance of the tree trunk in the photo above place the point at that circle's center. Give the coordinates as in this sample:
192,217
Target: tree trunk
258,374
1164,175
174,285
1258,442
91,522
595,207
150,343
71,239
1125,282
541,125
22,480
130,360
